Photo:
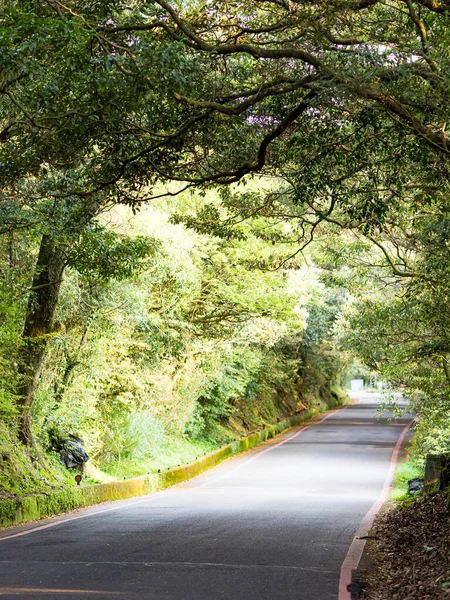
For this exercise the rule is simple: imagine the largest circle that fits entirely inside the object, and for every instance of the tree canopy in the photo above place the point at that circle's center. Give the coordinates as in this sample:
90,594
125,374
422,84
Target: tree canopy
118,94
341,106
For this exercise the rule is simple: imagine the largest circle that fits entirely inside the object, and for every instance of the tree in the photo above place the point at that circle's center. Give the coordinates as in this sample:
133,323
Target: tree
346,101
67,235
159,91
60,150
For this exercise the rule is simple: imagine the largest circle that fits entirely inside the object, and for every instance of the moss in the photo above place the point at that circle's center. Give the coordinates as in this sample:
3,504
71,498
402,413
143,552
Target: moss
28,508
8,510
18,473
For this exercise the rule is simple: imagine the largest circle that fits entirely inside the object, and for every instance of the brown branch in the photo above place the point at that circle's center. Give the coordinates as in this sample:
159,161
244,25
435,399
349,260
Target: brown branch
393,266
361,5
7,132
105,184
446,369
243,106
423,34
435,138
11,82
257,52
437,7
134,27
253,91
227,177
334,39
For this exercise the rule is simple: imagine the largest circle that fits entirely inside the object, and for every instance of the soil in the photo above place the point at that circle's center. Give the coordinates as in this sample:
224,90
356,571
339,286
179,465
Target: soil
410,552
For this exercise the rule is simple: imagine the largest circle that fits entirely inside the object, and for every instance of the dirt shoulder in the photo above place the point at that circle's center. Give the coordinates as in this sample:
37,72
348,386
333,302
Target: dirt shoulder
409,552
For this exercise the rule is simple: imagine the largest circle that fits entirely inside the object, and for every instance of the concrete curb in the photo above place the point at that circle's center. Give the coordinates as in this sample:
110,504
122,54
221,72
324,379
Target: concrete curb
30,508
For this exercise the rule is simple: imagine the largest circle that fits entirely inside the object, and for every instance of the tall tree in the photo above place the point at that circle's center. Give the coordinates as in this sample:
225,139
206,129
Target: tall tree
347,101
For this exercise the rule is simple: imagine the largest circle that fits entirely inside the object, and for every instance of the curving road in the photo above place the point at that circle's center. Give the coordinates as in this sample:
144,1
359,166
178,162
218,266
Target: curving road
273,524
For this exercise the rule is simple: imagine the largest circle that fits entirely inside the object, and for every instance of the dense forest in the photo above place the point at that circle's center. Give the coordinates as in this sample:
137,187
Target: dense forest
210,212
166,342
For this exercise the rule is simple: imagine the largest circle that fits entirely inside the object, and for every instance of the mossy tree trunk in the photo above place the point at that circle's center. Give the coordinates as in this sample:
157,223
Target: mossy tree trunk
38,327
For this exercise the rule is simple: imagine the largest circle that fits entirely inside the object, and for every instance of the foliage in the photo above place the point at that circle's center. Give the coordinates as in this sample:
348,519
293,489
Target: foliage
343,105
399,329
412,469
113,96
21,476
15,270
100,254
168,337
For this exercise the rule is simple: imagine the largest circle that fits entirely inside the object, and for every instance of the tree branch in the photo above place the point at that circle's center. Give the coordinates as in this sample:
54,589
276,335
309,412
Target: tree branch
259,95
437,7
393,266
226,177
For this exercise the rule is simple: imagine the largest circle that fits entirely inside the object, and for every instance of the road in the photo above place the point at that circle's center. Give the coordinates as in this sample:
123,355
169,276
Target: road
272,524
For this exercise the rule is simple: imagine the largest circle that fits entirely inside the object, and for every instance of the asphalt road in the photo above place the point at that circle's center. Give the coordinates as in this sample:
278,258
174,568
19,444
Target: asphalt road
272,524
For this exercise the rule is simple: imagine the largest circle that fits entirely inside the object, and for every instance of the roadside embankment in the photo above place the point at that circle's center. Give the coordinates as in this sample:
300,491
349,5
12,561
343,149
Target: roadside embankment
410,550
14,511
409,544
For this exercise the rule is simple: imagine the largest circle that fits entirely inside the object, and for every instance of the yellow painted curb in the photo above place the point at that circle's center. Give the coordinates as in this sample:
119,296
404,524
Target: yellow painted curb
30,508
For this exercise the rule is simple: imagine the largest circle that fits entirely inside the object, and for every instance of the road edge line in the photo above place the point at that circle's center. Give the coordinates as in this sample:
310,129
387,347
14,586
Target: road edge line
314,419
272,447
356,549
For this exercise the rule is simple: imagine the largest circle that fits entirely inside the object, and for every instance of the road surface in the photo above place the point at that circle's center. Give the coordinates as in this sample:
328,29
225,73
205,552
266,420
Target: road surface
272,524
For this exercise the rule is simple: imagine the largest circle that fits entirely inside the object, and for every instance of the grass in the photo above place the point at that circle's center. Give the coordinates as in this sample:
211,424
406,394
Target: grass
178,451
410,469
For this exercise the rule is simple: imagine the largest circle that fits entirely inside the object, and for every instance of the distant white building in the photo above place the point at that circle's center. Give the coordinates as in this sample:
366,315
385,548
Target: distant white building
357,385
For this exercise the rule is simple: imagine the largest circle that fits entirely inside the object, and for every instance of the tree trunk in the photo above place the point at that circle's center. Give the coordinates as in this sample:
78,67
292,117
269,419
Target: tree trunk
39,322
437,470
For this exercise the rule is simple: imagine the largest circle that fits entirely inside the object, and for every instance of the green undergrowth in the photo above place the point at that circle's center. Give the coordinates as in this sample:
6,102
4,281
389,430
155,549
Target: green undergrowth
24,472
175,452
410,469
22,475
